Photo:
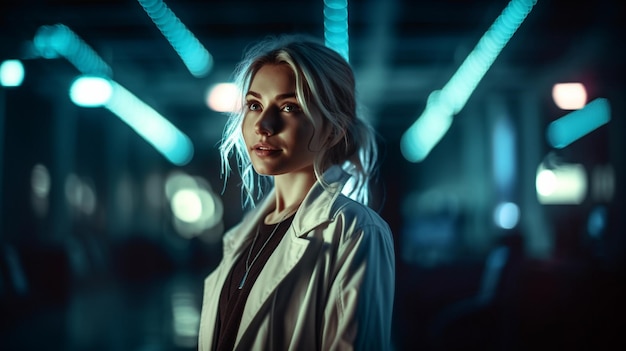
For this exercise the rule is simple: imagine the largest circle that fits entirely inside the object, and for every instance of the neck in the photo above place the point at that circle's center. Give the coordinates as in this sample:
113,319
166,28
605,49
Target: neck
289,189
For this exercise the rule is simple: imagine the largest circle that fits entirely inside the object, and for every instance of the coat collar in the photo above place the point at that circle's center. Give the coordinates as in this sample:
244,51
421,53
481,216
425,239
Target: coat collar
315,209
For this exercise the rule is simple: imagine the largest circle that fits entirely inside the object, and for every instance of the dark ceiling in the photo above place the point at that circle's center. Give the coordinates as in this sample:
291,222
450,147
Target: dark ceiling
401,50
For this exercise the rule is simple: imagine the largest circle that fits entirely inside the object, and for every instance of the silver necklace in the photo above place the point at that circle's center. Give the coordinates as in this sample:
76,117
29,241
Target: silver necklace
256,236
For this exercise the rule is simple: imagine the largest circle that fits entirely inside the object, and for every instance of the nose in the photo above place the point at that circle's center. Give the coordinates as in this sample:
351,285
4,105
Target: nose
268,122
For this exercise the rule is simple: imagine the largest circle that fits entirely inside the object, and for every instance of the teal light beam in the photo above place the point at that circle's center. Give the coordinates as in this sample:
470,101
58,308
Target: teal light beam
59,41
574,125
94,91
336,27
195,56
149,124
419,139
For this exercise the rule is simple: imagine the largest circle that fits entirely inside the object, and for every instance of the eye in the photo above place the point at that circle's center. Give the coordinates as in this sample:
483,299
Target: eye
289,108
253,106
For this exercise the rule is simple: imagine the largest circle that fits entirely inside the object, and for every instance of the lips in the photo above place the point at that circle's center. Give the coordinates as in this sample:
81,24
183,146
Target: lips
264,150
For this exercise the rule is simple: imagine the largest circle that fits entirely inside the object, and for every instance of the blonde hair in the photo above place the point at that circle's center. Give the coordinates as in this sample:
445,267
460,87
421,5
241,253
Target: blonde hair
325,86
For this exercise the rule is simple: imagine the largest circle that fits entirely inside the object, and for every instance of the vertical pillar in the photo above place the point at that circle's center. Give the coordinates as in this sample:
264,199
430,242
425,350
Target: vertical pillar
475,178
64,144
539,240
504,155
119,196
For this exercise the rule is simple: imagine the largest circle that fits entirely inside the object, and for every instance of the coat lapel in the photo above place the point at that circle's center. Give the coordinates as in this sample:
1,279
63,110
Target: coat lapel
314,210
286,256
234,243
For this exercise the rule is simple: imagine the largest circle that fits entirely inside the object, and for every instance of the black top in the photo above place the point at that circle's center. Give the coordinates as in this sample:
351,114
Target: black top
233,299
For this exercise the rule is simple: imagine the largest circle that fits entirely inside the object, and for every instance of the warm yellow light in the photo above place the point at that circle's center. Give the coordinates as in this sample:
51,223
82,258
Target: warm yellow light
569,96
224,97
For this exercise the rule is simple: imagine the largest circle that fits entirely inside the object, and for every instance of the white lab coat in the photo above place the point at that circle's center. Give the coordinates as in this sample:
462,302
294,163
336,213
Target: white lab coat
329,285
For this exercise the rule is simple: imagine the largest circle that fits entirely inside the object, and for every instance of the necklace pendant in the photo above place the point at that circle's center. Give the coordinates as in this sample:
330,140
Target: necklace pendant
243,280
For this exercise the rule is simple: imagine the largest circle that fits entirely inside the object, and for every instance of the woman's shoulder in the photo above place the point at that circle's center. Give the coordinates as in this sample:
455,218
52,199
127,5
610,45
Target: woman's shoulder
357,213
354,221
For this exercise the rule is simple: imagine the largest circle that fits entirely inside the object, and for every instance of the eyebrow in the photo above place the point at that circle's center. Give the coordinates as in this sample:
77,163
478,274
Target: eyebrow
278,97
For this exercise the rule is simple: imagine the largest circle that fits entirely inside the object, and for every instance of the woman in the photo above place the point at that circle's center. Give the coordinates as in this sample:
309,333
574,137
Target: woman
308,268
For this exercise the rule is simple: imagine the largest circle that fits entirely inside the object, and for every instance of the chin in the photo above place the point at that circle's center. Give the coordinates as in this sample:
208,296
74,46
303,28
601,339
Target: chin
263,171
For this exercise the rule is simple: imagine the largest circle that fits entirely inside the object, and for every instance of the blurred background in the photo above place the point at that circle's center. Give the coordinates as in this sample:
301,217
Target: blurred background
502,130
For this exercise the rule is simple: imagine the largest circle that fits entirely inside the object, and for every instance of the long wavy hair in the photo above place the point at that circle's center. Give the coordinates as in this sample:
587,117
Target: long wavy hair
325,86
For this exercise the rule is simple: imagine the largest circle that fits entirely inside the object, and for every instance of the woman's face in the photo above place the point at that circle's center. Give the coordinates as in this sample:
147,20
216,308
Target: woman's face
279,137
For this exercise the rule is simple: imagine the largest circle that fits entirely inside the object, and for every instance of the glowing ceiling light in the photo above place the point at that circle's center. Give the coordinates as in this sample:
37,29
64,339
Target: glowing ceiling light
576,124
91,91
150,125
197,210
569,96
453,96
563,184
194,55
186,205
60,41
545,182
336,26
11,73
427,130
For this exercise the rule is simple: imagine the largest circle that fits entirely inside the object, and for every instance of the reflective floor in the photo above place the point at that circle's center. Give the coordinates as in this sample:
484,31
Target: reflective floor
513,304
159,315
